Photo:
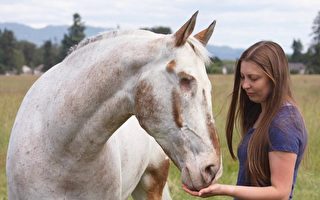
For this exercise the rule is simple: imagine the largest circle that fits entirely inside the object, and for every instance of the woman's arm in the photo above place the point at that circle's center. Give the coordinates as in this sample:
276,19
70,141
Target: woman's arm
281,169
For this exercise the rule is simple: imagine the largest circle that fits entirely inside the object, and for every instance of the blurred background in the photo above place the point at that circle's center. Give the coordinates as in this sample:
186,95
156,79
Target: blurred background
37,34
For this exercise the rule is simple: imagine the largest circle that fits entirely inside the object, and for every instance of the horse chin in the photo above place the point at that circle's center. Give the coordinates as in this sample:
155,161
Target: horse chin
190,182
186,180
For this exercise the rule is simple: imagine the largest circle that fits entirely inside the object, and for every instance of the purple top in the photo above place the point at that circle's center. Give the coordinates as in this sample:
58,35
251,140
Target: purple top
287,133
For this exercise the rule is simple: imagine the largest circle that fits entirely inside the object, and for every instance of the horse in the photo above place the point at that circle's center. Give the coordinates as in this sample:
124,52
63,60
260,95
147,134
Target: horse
58,143
144,165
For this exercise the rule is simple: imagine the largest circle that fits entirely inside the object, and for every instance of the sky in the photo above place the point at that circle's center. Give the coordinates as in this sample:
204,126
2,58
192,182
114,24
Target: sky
240,23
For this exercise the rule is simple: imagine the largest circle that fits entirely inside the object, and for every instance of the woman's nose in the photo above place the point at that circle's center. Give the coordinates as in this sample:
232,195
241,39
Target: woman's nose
245,84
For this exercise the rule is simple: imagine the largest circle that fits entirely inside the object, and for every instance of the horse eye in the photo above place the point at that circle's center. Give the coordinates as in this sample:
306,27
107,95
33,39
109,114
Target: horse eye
187,83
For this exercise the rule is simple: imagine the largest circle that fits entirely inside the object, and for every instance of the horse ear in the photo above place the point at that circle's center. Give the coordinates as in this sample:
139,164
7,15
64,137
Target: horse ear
205,35
185,31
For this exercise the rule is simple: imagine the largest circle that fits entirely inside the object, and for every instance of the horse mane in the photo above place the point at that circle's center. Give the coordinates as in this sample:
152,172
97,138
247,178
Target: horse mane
197,46
104,35
100,36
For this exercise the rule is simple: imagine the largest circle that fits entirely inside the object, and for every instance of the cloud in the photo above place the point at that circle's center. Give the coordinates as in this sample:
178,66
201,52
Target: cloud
239,23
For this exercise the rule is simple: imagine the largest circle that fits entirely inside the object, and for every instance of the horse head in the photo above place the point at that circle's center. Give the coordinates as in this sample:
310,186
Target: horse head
173,104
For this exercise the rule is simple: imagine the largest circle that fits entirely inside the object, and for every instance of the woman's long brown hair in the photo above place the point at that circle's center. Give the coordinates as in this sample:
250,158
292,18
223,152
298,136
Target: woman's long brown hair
243,113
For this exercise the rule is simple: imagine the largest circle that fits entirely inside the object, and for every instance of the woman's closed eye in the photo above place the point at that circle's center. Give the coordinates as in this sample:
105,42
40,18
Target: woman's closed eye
253,77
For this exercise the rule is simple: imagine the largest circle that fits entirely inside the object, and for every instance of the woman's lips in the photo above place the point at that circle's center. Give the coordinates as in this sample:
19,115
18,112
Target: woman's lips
250,93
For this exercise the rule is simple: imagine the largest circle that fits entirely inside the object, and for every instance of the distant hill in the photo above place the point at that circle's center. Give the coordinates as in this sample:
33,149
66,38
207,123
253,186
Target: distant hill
225,52
38,36
55,34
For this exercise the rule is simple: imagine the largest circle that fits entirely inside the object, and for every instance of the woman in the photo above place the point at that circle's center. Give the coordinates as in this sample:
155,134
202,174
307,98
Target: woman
273,132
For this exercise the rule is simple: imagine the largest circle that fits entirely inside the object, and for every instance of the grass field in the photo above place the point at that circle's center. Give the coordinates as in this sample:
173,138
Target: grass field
307,93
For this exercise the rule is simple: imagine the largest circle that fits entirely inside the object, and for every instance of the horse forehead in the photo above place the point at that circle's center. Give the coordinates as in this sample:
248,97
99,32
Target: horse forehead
186,54
188,60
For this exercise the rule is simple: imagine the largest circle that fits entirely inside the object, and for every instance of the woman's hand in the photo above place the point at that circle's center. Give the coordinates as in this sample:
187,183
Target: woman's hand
211,190
193,193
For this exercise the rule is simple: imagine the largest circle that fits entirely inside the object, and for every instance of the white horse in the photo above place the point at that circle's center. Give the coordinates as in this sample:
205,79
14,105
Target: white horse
58,145
144,165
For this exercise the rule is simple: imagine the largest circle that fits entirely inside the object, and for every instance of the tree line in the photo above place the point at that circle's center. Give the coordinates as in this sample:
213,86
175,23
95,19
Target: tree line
14,54
312,56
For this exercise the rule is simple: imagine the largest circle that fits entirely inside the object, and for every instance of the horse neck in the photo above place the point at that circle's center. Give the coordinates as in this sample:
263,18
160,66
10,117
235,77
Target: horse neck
103,98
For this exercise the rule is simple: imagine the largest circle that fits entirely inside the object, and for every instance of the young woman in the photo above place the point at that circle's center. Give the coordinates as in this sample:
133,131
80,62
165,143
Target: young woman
273,133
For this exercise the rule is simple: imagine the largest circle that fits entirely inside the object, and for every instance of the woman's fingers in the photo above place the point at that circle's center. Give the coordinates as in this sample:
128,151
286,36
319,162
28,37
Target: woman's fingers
194,193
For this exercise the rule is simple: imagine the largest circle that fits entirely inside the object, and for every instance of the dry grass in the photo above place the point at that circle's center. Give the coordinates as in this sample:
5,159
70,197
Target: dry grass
307,93
12,91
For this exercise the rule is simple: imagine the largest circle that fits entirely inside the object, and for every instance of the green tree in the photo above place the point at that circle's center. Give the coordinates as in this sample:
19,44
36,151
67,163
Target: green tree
215,66
314,49
297,48
7,46
74,36
19,60
2,67
49,55
316,29
28,50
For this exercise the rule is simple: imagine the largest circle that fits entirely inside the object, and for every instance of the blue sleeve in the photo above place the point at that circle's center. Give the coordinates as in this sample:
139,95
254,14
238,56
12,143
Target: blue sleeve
283,141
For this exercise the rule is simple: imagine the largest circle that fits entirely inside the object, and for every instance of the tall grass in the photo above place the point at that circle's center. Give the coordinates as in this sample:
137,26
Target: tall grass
307,93
12,91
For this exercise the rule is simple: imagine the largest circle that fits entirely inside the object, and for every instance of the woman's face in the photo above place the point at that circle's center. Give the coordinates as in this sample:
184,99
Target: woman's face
255,82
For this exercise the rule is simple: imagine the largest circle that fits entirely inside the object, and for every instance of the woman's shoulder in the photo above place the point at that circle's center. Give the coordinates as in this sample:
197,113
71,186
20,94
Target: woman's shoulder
287,130
287,115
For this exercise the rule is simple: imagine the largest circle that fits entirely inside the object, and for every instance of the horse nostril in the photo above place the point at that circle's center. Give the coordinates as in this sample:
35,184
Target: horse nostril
210,173
209,169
